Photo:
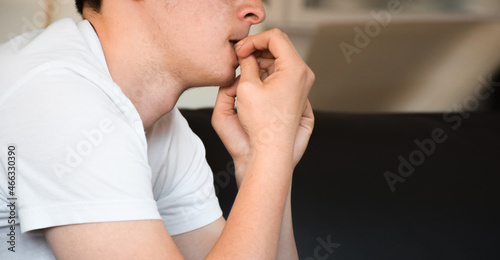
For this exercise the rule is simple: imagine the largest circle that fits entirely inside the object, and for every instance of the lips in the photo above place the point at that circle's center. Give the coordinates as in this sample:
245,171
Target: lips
233,54
233,40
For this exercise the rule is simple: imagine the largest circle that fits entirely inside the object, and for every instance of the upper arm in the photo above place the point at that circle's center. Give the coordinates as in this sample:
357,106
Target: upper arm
197,243
140,239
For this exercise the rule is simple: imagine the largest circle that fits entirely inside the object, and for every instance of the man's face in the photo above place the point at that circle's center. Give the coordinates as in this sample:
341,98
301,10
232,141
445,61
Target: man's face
193,39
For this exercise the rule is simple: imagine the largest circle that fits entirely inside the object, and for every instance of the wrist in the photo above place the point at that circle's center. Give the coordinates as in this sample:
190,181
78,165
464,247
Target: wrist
239,170
272,155
269,162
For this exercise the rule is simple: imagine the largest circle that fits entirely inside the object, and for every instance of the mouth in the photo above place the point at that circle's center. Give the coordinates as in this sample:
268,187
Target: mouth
233,42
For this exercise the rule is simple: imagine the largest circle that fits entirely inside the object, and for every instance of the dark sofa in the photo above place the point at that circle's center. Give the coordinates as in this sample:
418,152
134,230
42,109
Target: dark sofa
446,198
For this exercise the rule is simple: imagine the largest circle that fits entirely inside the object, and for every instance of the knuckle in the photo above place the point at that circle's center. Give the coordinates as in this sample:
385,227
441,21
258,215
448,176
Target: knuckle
312,76
214,122
304,70
285,36
307,74
276,31
279,33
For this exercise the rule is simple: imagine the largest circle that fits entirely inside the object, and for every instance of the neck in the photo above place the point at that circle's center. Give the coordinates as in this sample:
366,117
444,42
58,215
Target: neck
152,90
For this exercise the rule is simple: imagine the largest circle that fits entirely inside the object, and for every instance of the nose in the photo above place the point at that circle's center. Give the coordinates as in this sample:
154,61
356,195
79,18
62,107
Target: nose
252,12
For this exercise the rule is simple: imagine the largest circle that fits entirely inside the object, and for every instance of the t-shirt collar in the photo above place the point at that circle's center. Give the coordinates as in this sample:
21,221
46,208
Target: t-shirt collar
90,35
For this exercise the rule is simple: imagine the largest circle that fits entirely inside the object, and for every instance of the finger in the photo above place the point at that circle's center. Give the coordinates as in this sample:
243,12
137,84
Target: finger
263,75
224,104
308,112
264,54
304,132
250,71
267,67
306,124
266,64
225,120
275,41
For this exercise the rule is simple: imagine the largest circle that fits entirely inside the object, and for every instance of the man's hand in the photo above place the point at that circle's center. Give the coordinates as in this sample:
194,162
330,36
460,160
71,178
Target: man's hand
266,137
273,110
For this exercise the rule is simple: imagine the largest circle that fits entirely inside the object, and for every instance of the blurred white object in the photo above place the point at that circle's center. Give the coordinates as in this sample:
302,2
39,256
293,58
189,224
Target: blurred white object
411,65
21,16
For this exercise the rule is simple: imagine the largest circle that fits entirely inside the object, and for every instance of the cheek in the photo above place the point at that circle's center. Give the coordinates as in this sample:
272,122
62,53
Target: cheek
208,47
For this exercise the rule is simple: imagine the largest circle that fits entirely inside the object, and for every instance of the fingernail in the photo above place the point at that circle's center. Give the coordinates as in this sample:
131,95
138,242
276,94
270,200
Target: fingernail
238,45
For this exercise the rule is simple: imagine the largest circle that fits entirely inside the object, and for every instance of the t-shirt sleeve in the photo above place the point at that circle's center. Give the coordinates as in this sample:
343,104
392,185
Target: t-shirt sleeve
80,159
184,189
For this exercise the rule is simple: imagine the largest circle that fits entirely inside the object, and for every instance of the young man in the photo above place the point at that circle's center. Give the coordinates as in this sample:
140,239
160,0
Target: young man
105,165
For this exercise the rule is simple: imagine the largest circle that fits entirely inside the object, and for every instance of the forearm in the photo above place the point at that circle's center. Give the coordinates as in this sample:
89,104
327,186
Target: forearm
253,228
287,249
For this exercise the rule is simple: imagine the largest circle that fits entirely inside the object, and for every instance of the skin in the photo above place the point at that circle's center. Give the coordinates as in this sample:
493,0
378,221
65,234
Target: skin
155,50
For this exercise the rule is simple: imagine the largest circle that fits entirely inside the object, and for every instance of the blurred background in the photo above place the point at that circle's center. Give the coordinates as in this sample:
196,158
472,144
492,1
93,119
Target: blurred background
369,56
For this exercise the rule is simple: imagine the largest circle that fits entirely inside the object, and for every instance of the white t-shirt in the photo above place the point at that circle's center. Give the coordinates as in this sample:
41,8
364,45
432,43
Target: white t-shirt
74,147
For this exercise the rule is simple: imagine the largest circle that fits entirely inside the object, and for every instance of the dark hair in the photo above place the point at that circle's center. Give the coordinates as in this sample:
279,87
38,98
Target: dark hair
94,4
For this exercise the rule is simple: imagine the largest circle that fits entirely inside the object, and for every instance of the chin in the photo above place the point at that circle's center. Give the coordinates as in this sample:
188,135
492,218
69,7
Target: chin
224,79
229,81
215,76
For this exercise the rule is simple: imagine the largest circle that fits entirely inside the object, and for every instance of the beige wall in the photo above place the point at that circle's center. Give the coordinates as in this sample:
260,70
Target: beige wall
19,16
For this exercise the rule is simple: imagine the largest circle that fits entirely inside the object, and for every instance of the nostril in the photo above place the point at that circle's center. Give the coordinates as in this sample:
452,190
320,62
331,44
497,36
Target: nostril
252,17
252,14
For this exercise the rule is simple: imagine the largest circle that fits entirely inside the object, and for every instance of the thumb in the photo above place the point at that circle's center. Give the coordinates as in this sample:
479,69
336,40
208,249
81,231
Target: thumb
224,104
225,98
250,70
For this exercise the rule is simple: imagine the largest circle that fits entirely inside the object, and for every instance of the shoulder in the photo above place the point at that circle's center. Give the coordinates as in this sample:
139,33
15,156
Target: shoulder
57,109
59,75
61,46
